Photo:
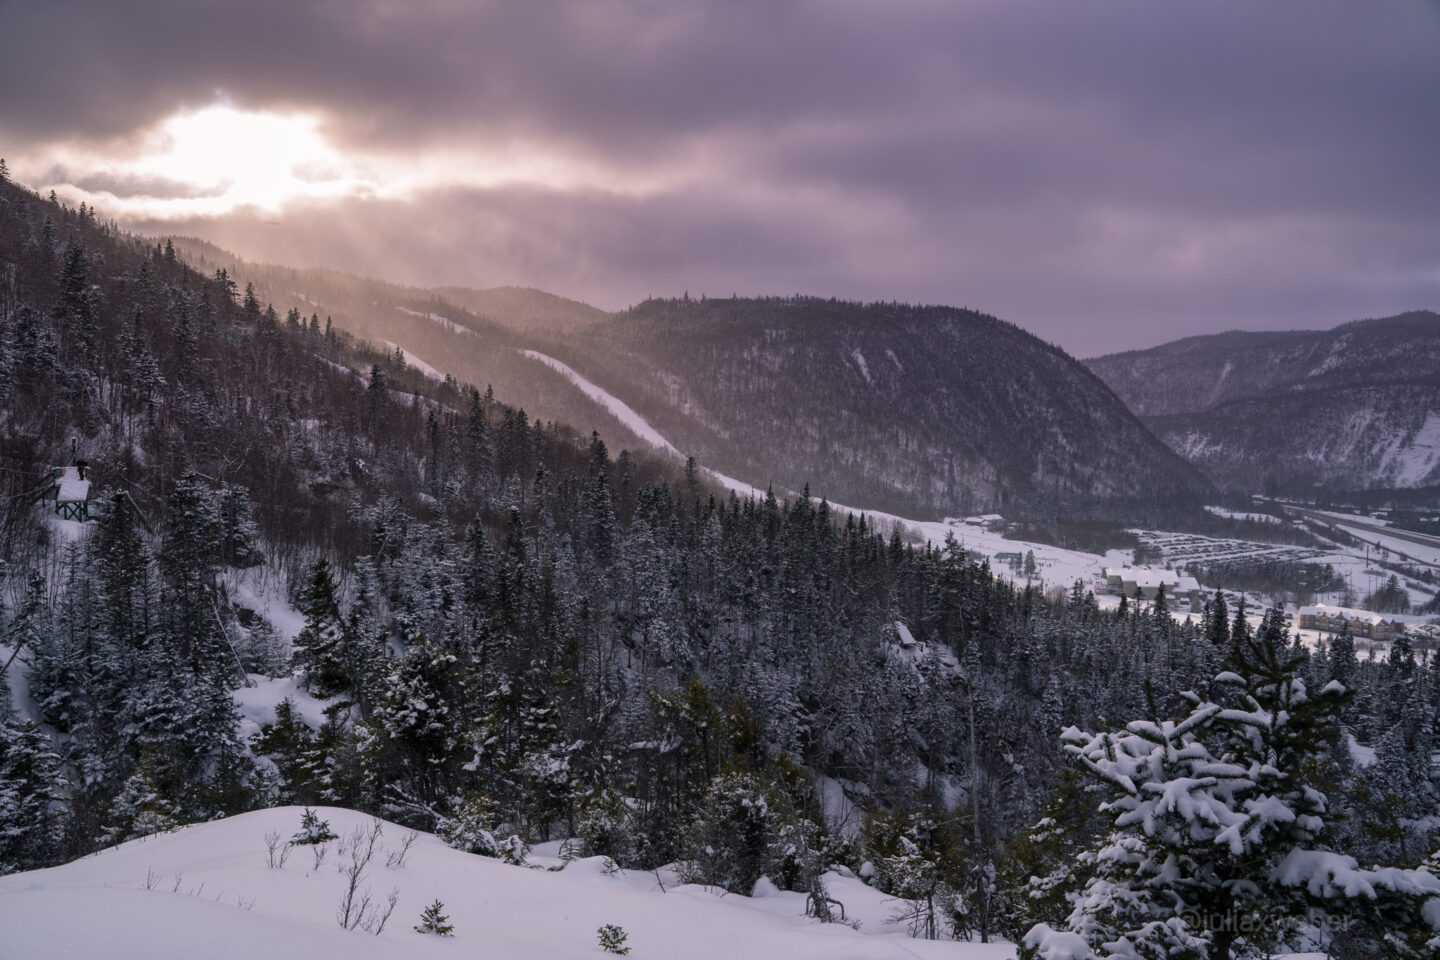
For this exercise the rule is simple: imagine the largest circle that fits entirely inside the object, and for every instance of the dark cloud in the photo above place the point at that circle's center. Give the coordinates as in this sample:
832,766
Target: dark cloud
1108,175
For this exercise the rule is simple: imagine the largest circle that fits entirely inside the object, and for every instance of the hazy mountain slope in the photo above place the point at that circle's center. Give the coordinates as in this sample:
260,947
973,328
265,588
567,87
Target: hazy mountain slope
1357,406
473,348
918,411
1197,373
524,308
925,410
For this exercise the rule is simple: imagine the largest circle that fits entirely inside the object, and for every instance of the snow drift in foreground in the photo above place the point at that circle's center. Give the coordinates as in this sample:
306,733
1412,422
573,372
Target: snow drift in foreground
205,892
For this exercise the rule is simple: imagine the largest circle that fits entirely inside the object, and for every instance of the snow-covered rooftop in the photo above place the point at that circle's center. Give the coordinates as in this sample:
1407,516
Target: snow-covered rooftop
1147,577
1346,613
907,639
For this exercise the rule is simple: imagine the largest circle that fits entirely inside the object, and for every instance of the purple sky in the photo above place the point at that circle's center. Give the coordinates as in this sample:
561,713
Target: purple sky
1107,174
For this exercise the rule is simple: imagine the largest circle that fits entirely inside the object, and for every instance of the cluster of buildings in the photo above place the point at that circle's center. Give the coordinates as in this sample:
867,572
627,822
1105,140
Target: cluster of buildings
1145,584
1362,623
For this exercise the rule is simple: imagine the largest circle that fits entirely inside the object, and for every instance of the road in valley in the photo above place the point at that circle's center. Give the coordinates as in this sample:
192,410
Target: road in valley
1364,525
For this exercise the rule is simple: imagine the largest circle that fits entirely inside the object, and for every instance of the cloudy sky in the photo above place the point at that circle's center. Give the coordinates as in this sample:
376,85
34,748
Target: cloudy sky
1108,174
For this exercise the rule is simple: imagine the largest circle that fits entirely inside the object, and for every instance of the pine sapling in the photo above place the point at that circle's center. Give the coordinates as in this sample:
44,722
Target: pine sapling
612,939
313,830
434,922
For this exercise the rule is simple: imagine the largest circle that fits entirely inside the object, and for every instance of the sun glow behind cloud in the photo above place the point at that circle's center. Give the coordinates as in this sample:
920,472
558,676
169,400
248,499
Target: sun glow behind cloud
238,158
209,162
220,159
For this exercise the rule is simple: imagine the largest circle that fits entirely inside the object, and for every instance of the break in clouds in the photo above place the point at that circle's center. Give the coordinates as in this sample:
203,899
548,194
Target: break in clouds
1106,175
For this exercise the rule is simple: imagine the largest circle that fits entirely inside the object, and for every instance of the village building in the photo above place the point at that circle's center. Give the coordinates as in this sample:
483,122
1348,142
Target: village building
1362,623
1145,583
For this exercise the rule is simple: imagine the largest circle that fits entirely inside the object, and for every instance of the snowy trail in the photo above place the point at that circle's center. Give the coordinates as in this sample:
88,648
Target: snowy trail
416,362
445,322
637,424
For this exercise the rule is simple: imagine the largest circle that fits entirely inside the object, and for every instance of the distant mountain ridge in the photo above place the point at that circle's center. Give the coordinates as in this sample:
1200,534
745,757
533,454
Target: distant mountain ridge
1353,407
525,308
918,411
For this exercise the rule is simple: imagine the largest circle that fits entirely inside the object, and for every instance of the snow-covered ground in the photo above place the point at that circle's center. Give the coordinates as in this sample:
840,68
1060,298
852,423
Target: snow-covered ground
205,891
1237,515
261,591
257,702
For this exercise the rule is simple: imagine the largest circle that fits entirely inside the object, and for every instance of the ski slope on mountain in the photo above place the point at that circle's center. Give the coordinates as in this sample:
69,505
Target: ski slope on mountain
633,421
205,891
416,362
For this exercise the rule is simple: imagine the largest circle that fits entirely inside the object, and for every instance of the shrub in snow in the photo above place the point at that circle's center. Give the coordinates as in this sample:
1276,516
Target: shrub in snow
434,922
140,810
1044,868
612,939
472,828
730,837
747,828
276,853
263,650
313,830
605,827
1216,845
320,647
918,864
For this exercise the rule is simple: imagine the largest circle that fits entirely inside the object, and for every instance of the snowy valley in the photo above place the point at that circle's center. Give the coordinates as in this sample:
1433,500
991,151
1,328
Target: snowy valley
563,691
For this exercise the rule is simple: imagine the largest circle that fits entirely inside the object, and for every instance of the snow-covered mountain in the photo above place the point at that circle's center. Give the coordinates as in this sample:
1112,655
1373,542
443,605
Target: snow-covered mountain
1353,407
972,414
207,891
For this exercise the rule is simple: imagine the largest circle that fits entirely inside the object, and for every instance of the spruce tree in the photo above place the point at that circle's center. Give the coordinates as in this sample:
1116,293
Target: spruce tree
31,790
434,922
320,646
1217,623
1219,825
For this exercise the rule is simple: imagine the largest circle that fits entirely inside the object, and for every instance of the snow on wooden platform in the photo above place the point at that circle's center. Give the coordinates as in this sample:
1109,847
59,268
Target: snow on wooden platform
72,489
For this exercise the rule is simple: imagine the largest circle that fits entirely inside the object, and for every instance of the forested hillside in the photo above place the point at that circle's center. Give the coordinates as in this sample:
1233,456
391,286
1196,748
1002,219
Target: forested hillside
916,410
480,346
922,412
511,635
1354,407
